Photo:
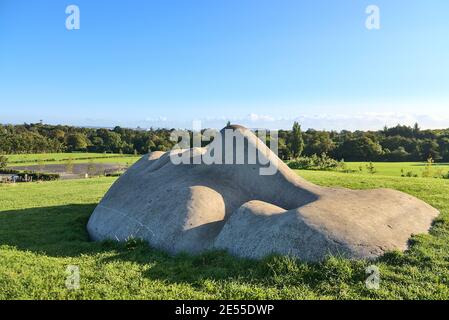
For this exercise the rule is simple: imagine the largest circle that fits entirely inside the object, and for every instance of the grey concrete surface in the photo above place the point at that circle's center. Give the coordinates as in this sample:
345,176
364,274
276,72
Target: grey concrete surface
197,207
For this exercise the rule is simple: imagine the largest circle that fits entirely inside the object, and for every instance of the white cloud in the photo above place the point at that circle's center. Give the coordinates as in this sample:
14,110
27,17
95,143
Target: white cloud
371,120
254,117
157,119
340,121
318,121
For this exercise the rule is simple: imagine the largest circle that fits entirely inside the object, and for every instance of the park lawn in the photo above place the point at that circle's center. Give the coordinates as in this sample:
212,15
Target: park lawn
42,231
381,168
75,157
394,168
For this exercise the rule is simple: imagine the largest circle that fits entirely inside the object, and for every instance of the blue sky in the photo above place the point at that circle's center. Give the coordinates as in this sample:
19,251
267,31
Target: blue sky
263,63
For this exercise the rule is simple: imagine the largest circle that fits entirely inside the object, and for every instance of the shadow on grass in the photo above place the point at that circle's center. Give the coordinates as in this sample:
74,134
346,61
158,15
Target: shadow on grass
61,232
54,231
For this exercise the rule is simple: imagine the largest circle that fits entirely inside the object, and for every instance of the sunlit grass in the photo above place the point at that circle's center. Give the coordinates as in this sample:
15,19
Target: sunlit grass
42,231
76,157
396,169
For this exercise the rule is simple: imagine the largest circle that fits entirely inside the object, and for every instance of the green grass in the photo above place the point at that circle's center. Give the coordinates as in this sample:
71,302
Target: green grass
42,231
394,168
76,157
382,168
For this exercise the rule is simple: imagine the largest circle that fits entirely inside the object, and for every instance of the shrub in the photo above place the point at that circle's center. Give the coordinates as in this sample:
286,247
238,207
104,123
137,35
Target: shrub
304,163
371,169
428,170
323,162
8,171
39,175
31,174
408,174
3,161
113,174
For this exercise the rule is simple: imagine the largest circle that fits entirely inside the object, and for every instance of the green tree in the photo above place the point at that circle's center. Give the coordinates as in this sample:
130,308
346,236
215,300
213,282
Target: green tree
77,142
400,154
430,149
57,134
444,148
112,140
362,148
318,142
416,129
151,146
297,141
283,151
3,162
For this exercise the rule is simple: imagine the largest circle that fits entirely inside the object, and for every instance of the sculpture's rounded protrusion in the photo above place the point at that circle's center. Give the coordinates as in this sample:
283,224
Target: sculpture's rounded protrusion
198,207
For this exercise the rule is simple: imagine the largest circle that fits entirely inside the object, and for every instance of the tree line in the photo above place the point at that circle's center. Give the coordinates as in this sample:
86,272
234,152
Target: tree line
395,144
399,143
43,138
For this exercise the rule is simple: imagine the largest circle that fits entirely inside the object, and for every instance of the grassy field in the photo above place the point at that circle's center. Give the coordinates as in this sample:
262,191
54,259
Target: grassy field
394,168
381,168
76,157
42,231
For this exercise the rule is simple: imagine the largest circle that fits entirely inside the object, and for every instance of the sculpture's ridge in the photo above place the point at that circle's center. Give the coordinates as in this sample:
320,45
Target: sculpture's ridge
234,127
197,207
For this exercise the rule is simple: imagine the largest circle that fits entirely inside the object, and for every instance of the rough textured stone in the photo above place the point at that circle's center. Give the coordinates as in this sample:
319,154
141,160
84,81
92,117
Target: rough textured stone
197,207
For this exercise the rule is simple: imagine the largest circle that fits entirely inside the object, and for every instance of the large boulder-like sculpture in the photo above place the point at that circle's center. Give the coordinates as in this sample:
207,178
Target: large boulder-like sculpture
198,207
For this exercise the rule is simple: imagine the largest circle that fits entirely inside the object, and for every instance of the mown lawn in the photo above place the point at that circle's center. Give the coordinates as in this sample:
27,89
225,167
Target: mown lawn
42,231
394,168
75,157
381,168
